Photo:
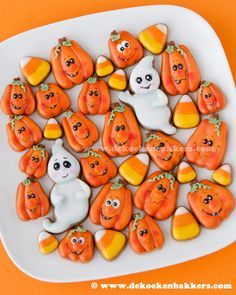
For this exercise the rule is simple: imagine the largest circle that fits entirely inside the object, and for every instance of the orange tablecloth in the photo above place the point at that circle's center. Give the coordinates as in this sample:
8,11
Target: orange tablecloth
219,267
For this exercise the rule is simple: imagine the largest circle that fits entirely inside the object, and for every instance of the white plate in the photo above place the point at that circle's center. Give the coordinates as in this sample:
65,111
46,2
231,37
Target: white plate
92,31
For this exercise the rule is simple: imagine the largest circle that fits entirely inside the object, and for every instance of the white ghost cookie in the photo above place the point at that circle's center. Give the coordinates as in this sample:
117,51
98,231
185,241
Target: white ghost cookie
150,103
69,195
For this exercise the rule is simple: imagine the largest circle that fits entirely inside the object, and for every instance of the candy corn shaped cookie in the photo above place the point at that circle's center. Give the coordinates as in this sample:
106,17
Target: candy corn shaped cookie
223,175
118,80
52,130
185,173
47,242
103,66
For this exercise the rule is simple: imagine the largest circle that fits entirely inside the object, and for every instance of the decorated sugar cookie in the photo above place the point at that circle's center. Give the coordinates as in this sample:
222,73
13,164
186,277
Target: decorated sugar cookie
121,134
118,80
47,242
165,151
34,162
81,133
23,133
154,38
207,145
145,235
135,168
124,49
180,73
157,195
34,69
184,226
18,99
110,243
71,64
112,207
223,175
209,98
70,195
51,100
185,172
94,97
103,66
150,103
31,200
97,167
52,130
211,203
185,113
77,245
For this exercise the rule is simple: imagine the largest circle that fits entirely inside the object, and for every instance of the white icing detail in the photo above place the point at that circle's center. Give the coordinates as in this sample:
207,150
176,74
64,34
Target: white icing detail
150,103
101,59
43,235
181,210
99,234
69,195
163,28
120,72
24,61
183,165
185,98
144,158
226,168
52,121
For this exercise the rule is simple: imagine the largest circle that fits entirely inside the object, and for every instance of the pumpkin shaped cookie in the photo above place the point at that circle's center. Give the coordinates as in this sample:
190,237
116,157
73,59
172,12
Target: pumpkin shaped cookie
77,245
124,49
71,64
209,98
165,151
207,145
51,100
81,133
34,162
179,73
31,200
121,134
210,202
112,207
145,235
94,97
23,133
18,99
97,167
157,195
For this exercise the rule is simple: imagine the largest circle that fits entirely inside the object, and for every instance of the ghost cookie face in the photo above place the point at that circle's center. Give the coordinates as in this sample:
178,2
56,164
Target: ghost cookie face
211,203
124,49
77,245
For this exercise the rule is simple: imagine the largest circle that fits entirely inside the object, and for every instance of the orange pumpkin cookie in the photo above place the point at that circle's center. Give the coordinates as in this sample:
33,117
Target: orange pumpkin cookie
23,133
31,200
77,245
157,195
209,98
179,73
145,235
121,134
207,145
165,151
80,132
210,202
18,99
97,167
51,100
34,162
103,66
71,64
124,49
94,97
112,207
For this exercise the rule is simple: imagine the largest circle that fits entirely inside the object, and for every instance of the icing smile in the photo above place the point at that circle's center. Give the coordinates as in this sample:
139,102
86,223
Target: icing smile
53,106
147,87
15,107
214,213
103,173
168,157
120,143
83,136
106,217
65,175
72,75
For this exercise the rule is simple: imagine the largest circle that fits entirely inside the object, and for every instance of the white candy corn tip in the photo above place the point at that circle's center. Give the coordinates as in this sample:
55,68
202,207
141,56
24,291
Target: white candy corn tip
144,158
183,165
52,121
101,59
43,235
24,61
99,234
181,210
163,28
120,72
185,98
226,168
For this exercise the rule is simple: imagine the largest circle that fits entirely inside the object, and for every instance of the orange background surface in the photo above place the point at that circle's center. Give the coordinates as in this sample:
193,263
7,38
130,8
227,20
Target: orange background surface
20,15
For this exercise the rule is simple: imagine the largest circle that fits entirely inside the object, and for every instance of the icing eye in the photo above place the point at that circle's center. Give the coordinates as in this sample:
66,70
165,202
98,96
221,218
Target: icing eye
108,202
72,61
157,148
33,196
164,190
139,80
141,233
20,95
174,67
33,158
90,93
67,63
66,164
95,93
56,166
148,77
210,142
205,141
159,187
81,240
14,95
180,66
75,127
92,165
117,128
206,201
122,127
209,197
120,47
51,94
116,203
22,129
205,96
125,44
19,131
36,160
209,94
73,240
96,163
47,96
28,197
145,231
161,144
79,124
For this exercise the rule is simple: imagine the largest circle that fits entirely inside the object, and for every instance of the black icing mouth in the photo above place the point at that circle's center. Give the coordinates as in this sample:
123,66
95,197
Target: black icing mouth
53,106
105,217
91,105
120,143
77,252
32,210
214,213
72,75
16,107
147,87
65,175
167,158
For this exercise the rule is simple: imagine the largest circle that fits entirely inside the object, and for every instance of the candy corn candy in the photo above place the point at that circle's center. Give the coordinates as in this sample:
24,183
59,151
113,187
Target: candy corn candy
184,226
110,243
223,175
185,173
154,38
135,168
52,130
103,66
186,114
118,80
47,242
34,69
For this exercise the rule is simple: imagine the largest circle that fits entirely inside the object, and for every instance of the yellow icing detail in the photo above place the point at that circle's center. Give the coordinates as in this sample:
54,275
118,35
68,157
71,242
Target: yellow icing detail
116,84
185,120
105,71
187,176
40,74
150,43
115,247
50,248
52,134
221,179
129,174
186,232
